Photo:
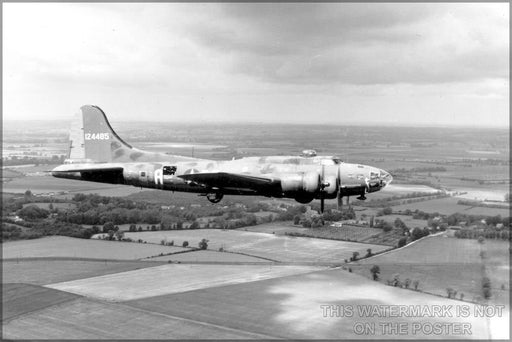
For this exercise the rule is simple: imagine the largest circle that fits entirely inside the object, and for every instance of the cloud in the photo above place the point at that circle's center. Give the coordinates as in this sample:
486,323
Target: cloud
360,43
299,62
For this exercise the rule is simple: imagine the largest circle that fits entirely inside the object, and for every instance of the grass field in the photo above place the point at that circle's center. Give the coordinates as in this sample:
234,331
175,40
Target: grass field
19,299
433,250
259,301
349,233
8,174
497,268
408,220
487,211
478,172
290,307
488,192
279,248
86,319
61,246
441,262
173,278
287,307
274,228
44,271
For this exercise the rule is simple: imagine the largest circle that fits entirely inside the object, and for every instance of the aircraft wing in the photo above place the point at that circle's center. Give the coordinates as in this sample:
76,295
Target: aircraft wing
224,180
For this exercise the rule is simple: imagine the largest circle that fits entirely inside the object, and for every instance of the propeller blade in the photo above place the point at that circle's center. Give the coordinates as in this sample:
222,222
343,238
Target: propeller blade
322,190
339,197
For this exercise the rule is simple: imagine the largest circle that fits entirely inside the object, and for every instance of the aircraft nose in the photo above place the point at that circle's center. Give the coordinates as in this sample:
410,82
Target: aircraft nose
385,177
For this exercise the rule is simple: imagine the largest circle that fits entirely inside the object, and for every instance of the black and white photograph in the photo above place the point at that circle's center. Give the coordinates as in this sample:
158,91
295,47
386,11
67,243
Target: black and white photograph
237,170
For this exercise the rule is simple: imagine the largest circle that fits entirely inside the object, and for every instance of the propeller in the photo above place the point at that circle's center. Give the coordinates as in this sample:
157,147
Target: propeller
365,190
339,196
340,200
322,191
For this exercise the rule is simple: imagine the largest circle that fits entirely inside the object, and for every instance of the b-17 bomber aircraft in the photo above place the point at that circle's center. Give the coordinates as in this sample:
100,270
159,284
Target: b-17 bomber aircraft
98,154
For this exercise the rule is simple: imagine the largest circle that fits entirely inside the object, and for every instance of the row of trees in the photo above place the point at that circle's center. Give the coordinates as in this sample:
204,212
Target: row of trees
455,218
11,232
317,221
418,233
406,198
486,233
97,210
396,281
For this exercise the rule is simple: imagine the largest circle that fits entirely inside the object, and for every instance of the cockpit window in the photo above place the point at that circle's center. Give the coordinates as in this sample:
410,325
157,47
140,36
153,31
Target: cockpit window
337,160
374,175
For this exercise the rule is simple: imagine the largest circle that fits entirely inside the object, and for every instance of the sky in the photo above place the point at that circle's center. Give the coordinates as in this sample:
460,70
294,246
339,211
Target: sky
437,64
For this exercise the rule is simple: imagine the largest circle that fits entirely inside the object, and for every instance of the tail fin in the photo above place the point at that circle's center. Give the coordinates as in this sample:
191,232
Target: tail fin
92,139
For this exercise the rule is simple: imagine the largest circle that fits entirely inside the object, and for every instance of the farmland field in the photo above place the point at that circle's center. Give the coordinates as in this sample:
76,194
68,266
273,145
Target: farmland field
279,248
86,319
433,250
261,300
439,262
347,233
60,246
290,307
173,278
44,271
281,307
487,211
274,228
497,268
408,220
18,299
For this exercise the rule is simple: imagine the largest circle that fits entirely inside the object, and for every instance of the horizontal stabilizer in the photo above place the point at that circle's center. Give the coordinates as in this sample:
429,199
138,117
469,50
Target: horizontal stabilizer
103,173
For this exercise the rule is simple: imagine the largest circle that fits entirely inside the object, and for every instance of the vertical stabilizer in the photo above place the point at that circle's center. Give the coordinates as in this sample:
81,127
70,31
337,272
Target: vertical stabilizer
92,139
76,138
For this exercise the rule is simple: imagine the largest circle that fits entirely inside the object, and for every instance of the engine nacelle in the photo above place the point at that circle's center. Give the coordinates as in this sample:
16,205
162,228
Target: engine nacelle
304,197
308,182
330,186
214,197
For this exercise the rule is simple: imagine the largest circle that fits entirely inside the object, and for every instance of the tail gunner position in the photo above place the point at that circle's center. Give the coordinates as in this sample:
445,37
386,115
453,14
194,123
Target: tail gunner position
98,154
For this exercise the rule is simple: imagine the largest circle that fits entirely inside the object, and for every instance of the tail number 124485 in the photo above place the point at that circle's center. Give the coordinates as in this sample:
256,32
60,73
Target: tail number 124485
97,136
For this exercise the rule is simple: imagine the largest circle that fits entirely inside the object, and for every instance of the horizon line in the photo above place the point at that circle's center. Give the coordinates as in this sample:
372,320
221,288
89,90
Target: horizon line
224,122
